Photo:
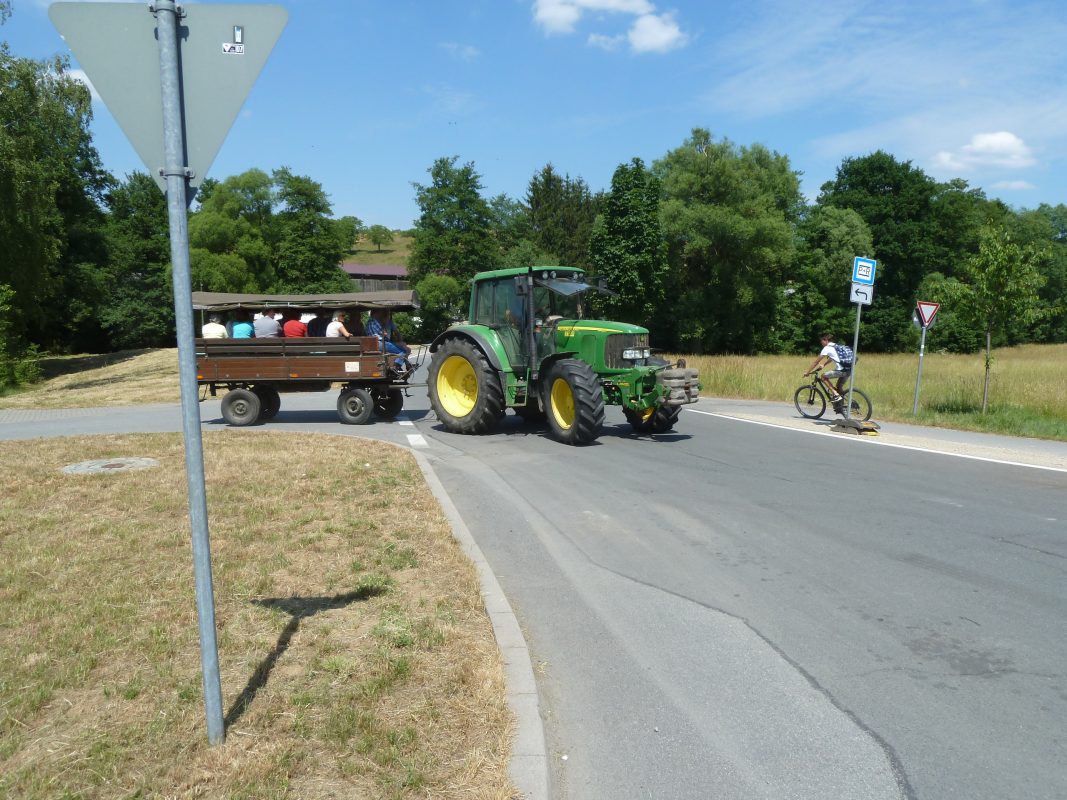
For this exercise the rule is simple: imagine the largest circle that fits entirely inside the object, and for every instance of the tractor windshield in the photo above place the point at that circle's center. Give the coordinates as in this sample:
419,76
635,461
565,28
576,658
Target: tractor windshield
560,297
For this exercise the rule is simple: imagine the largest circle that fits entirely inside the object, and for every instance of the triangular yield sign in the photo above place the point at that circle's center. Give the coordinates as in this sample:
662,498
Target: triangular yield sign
927,312
115,43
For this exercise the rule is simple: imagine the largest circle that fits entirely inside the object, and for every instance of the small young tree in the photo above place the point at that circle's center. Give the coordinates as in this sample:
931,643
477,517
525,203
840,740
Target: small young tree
998,289
379,235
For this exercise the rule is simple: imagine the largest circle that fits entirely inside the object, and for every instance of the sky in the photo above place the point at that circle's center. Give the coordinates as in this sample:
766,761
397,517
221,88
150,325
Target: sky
364,95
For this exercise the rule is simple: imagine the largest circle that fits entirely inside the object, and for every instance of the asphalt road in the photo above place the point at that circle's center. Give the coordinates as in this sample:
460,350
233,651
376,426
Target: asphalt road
741,610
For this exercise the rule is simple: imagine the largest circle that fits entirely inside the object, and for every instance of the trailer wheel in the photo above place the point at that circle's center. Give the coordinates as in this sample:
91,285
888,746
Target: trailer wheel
389,404
355,406
574,401
240,407
269,401
464,390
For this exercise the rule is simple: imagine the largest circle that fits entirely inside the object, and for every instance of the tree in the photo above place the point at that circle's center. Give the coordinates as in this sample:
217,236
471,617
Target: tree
137,308
815,293
999,288
561,213
728,214
442,300
627,246
310,245
379,235
51,187
917,225
454,233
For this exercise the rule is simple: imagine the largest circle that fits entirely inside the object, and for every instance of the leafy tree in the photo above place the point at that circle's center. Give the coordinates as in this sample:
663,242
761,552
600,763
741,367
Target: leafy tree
454,233
442,301
350,229
310,245
138,307
379,235
728,214
815,295
918,227
561,212
51,187
627,246
998,289
1046,227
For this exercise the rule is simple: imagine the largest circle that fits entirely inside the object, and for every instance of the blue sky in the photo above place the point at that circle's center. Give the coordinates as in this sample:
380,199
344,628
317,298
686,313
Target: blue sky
363,96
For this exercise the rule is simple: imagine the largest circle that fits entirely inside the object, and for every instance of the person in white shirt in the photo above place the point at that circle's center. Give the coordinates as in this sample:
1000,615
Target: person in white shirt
214,329
827,356
337,328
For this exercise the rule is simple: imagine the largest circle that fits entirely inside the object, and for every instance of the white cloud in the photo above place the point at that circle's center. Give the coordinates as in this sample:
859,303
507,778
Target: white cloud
1013,185
656,34
463,52
561,16
649,33
608,43
1000,149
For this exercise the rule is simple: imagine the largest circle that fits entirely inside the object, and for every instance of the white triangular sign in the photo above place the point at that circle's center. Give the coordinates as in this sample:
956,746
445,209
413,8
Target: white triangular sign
115,43
927,312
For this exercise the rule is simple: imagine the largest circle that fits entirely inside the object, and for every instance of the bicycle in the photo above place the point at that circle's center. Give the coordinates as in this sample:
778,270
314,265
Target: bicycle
811,400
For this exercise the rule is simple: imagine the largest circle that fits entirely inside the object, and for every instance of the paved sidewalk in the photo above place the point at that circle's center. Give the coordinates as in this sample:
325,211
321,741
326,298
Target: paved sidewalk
994,447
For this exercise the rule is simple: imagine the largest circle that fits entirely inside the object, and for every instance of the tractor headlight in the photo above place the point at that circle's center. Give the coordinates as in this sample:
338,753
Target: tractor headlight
636,353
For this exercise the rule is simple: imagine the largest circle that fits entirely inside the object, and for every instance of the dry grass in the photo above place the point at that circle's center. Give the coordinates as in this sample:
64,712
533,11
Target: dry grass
356,656
1026,392
130,377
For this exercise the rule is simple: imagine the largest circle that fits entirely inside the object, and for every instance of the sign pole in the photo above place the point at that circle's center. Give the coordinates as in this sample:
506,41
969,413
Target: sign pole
855,361
176,175
919,376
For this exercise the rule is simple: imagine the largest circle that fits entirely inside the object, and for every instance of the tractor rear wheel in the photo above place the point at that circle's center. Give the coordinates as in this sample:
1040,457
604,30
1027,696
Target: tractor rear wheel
464,390
574,401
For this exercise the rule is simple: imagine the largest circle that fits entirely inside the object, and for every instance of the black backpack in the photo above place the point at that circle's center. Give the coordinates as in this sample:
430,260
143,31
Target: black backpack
845,356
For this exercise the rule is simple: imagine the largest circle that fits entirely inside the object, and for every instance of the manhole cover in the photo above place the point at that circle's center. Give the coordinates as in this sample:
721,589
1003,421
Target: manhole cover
100,465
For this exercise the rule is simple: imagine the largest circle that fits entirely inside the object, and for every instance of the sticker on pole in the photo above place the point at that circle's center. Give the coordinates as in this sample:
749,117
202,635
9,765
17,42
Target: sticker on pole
927,312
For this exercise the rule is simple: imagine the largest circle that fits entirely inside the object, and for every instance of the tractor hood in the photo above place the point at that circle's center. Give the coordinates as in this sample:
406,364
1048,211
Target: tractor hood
569,328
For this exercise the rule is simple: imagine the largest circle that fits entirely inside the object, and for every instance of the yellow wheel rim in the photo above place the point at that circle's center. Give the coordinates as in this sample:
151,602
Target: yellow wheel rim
562,402
457,386
646,414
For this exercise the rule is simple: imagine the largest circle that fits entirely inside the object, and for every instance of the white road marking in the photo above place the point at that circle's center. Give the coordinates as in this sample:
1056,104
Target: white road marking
406,422
416,440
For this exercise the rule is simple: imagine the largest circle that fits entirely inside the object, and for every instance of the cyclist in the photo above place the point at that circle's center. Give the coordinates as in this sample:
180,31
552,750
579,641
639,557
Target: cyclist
828,355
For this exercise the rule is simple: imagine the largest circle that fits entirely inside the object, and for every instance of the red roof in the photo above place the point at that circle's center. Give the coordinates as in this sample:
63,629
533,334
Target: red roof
375,270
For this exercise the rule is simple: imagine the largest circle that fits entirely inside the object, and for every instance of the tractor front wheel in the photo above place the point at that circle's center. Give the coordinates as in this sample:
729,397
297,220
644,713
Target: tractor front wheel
574,401
465,392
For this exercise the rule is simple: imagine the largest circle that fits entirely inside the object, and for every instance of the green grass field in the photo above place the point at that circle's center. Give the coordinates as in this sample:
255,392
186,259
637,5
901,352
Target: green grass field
1027,389
395,253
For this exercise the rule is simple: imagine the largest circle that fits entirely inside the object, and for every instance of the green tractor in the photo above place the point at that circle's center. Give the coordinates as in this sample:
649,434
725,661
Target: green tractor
528,347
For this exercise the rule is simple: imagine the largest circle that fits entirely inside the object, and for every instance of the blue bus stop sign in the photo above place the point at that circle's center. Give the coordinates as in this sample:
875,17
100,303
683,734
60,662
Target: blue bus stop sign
863,270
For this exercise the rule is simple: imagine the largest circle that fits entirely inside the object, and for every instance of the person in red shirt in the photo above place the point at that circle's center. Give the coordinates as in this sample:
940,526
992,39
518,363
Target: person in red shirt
292,325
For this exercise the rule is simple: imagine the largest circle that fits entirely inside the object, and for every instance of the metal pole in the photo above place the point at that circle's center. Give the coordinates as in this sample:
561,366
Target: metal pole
176,174
919,377
855,361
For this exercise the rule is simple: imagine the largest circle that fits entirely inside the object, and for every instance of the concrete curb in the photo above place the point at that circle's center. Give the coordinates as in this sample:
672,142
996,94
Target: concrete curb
529,757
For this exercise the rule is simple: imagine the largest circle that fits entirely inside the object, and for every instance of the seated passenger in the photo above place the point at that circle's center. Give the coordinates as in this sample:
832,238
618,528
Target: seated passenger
214,329
293,327
381,325
355,322
266,325
337,327
317,326
242,325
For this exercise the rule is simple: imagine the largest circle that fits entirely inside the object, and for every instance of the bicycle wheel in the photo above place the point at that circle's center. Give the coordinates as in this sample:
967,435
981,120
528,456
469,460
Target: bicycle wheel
861,406
810,402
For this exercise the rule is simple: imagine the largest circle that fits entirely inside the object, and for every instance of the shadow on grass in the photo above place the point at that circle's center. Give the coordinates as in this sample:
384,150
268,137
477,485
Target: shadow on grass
299,609
54,366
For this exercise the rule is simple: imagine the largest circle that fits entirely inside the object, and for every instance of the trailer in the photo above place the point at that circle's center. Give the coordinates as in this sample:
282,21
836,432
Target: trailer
254,373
